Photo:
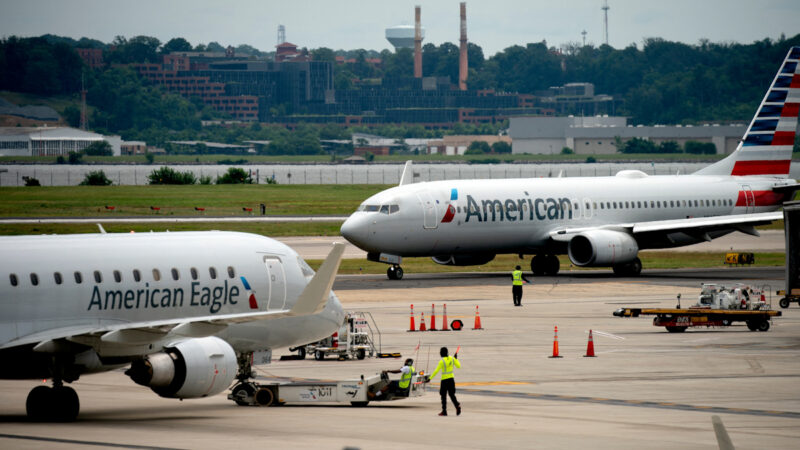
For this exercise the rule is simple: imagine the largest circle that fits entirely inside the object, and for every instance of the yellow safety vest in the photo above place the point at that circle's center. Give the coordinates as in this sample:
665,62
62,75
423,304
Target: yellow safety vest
405,379
517,274
446,366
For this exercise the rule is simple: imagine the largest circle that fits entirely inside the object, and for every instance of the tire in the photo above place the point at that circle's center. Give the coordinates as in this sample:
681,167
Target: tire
390,273
635,267
784,302
319,356
763,325
631,269
246,389
66,404
264,397
676,329
751,326
398,273
301,352
38,403
552,265
361,354
537,265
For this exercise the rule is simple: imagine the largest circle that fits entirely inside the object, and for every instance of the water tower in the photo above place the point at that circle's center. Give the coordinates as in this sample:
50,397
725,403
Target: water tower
402,36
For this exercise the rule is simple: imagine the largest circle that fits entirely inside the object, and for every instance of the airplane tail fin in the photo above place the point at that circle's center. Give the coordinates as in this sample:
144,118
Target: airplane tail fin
766,148
408,174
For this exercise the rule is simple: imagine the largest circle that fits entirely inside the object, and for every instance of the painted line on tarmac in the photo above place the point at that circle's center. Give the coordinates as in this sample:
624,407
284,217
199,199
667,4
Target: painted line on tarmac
72,441
634,403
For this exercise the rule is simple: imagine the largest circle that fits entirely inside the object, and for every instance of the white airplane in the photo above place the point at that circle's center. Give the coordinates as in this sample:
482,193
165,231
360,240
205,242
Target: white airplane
597,221
186,310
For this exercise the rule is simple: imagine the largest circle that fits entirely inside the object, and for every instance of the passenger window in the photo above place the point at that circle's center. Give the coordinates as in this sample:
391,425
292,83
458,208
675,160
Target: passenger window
231,272
34,279
638,204
156,275
175,274
652,204
136,275
658,203
78,278
627,205
713,203
117,276
58,278
98,277
13,279
212,272
671,204
193,272
601,205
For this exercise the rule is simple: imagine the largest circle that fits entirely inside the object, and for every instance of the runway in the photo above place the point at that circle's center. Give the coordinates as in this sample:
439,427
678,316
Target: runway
646,389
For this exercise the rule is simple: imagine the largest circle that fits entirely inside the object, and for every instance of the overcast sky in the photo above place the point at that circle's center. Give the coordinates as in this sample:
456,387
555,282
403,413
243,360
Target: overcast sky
353,24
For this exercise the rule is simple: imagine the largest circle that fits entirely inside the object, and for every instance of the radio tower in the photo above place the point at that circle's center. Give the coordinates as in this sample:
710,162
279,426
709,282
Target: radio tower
281,34
605,9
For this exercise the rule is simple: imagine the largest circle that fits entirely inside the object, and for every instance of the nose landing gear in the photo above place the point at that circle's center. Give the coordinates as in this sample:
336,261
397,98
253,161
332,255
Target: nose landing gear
394,272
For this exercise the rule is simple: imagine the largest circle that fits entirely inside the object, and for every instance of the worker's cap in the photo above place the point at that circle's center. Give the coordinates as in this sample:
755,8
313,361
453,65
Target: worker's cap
409,362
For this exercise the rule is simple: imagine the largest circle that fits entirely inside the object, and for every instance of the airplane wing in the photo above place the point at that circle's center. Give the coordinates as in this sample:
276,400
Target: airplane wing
695,226
311,301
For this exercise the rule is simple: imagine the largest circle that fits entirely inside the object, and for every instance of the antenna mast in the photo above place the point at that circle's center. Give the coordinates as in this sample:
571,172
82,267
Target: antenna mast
605,9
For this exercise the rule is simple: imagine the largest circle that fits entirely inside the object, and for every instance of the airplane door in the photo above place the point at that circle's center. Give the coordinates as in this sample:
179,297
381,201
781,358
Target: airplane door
749,198
277,282
428,210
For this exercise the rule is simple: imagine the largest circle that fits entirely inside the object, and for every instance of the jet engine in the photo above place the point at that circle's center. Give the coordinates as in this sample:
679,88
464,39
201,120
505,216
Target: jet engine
602,248
190,369
463,259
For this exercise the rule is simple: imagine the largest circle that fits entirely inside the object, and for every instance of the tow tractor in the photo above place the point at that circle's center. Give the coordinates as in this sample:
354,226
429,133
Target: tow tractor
718,307
357,392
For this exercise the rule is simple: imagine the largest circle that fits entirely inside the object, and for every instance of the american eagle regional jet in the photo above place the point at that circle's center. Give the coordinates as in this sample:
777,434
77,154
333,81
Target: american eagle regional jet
187,311
597,221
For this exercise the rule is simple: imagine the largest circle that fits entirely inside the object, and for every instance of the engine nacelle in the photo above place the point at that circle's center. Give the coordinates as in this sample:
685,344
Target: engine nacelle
602,248
191,369
463,259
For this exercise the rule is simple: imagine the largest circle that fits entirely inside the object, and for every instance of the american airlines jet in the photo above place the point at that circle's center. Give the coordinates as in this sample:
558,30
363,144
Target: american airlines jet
186,310
597,221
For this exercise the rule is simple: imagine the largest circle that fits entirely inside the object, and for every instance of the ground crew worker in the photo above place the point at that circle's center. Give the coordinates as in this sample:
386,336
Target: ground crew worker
446,365
517,278
399,388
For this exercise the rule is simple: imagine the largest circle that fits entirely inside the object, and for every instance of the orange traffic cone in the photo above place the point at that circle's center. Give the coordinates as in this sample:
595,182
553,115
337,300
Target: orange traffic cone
422,322
444,319
555,345
590,347
412,327
477,325
433,318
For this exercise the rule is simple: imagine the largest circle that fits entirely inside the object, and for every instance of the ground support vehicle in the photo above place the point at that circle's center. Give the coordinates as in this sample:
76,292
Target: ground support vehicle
718,306
356,339
357,392
787,300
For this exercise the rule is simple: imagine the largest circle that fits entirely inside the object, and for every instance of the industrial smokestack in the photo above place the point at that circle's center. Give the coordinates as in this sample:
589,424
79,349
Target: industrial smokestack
417,44
462,60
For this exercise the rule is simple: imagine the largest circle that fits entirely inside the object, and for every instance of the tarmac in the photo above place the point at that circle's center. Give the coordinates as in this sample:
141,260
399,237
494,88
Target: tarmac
646,388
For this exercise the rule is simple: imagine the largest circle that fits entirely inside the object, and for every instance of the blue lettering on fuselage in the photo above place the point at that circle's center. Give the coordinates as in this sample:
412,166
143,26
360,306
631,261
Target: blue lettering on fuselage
212,298
512,210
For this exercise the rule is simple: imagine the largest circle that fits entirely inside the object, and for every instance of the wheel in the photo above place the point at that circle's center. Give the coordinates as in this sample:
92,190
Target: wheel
264,397
551,265
398,273
676,329
784,302
38,403
301,352
242,392
763,325
359,404
635,267
537,265
751,326
360,353
391,272
66,404
319,356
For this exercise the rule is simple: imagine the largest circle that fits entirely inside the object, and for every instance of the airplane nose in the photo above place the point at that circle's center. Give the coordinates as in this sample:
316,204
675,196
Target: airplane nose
354,230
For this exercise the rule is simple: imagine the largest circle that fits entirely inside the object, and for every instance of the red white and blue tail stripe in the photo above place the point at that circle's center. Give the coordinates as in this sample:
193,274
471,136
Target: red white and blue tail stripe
766,148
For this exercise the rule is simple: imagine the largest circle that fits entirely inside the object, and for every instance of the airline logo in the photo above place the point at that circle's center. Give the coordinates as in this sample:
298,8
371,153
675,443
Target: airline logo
250,294
450,213
767,145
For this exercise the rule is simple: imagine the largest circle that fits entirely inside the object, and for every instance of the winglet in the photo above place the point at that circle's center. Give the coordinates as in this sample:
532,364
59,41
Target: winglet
314,297
408,174
102,230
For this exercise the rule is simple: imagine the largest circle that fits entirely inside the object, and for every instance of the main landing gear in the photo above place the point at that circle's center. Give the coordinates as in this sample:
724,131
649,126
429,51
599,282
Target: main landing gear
630,269
394,272
545,265
53,404
247,392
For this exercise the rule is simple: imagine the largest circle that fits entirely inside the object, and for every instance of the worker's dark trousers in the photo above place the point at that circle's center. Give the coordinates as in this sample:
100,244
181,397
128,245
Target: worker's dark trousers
448,386
516,291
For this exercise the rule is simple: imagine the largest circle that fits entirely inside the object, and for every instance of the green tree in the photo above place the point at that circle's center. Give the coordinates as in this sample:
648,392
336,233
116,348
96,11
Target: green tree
167,175
700,148
501,147
323,54
72,115
669,147
95,178
639,146
98,148
176,45
478,147
75,157
235,175
567,151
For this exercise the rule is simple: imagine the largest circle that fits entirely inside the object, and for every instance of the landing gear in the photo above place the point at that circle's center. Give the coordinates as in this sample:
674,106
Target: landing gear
630,269
53,404
394,272
545,265
244,392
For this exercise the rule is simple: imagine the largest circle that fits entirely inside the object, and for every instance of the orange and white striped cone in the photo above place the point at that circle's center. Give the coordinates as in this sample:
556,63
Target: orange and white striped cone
444,318
412,326
477,325
422,322
590,347
433,318
555,345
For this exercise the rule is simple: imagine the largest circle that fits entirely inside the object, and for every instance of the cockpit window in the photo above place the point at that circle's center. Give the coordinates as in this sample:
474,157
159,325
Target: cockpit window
308,272
393,209
385,209
371,208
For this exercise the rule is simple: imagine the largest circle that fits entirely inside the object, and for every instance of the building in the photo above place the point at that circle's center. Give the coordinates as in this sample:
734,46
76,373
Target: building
597,135
458,144
50,141
93,57
133,148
